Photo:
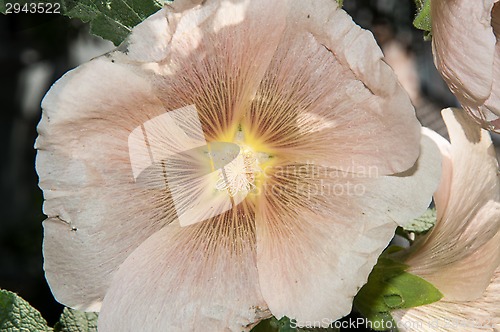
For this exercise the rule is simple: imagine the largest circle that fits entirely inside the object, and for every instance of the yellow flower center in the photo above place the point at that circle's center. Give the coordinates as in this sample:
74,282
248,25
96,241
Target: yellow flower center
239,175
244,172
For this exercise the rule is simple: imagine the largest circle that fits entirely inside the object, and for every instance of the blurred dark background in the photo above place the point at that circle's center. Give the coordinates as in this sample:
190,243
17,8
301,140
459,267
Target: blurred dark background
35,50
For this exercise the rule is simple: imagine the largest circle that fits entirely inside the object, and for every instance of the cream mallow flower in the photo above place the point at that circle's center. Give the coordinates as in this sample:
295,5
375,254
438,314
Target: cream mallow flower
232,160
466,52
461,254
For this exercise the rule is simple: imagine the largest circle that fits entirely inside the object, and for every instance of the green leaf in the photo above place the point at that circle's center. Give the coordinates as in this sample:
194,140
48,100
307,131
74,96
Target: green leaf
16,314
111,19
393,301
76,321
390,287
423,223
422,20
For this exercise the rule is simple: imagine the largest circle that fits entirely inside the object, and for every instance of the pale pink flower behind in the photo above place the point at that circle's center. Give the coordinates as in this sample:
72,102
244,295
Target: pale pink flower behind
466,52
461,254
305,95
481,314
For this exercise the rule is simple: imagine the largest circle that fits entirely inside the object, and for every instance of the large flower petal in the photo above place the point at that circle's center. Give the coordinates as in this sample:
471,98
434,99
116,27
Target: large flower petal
197,278
320,231
93,196
217,58
423,178
150,40
329,98
471,217
464,47
442,194
493,102
466,280
182,5
467,54
490,112
482,314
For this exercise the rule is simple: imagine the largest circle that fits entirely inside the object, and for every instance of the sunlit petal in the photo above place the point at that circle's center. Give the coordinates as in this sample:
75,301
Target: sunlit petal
197,278
320,231
482,314
338,115
471,216
466,53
